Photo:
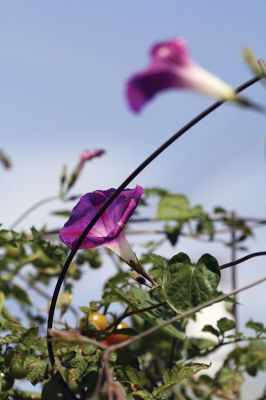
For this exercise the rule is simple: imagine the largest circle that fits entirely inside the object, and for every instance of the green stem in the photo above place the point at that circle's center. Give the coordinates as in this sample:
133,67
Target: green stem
33,208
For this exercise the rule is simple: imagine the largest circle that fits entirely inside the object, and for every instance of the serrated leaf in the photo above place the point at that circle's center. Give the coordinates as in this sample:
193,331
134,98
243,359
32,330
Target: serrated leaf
78,368
142,394
37,369
28,339
177,374
185,285
130,375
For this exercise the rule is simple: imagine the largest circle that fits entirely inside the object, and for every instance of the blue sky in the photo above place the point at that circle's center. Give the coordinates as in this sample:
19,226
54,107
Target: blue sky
63,66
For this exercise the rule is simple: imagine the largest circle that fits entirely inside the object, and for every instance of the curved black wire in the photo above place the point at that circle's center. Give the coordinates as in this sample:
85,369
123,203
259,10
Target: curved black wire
242,259
115,194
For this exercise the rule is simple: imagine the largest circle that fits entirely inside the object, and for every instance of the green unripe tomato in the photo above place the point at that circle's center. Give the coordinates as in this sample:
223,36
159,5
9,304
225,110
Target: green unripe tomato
73,384
6,381
17,368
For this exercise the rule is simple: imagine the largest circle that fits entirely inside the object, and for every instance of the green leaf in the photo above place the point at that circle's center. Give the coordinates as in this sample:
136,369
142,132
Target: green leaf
37,369
219,210
173,233
177,374
256,326
21,295
225,324
78,368
197,346
211,329
185,285
138,298
141,394
158,265
27,339
205,225
228,381
252,357
90,256
155,192
52,389
176,206
130,375
62,213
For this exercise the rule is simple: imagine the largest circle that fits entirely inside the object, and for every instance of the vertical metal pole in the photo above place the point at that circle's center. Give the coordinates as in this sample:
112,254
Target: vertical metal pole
233,270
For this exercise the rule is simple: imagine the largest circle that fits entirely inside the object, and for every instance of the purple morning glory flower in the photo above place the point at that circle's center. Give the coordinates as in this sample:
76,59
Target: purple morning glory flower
109,229
172,67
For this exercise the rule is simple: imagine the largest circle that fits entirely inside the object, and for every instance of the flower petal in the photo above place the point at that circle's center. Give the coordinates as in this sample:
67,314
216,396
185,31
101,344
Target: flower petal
172,67
173,51
123,249
109,226
142,87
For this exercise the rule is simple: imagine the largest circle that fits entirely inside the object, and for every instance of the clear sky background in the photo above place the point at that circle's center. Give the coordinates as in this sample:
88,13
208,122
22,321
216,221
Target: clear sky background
63,67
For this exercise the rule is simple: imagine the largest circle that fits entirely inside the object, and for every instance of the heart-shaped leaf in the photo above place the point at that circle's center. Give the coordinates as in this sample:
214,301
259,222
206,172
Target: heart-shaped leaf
186,285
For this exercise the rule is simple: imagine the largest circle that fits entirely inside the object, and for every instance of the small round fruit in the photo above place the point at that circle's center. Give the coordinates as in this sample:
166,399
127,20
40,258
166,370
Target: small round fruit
98,320
6,380
117,337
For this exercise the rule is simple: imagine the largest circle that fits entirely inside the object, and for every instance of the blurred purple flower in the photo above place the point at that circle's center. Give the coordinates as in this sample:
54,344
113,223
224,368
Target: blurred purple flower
88,155
109,229
172,67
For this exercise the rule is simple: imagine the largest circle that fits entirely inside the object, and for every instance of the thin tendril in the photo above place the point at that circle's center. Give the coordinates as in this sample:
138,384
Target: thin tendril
115,194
